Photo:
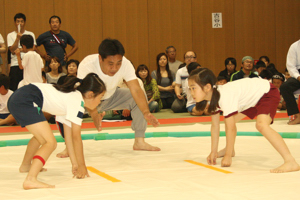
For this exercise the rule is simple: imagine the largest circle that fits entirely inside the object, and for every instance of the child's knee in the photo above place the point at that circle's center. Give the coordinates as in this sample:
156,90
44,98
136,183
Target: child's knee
260,126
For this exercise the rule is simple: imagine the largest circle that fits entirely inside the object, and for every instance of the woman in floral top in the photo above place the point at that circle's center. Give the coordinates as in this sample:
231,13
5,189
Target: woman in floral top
150,85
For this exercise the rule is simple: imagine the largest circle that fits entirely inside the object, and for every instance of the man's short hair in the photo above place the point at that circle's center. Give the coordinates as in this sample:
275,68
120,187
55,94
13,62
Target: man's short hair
260,64
53,17
27,41
169,47
4,80
110,47
20,15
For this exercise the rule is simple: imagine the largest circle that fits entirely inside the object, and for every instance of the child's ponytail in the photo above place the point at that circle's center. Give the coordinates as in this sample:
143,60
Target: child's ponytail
91,82
204,76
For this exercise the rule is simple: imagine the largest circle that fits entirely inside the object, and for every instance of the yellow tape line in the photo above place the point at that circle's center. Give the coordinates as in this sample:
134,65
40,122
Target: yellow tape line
208,166
102,174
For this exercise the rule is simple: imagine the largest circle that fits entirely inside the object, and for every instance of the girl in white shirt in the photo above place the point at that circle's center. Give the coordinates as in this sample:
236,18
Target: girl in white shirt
67,102
238,99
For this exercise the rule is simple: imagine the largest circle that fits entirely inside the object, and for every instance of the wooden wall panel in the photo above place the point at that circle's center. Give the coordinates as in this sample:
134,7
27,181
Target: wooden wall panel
83,20
244,29
287,20
213,45
169,24
126,20
264,29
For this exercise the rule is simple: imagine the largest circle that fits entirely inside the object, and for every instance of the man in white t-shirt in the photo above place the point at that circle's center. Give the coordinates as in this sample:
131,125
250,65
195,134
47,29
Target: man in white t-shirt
173,63
13,42
112,67
179,105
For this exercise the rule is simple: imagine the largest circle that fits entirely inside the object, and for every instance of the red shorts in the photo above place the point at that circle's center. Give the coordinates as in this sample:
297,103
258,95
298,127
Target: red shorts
266,105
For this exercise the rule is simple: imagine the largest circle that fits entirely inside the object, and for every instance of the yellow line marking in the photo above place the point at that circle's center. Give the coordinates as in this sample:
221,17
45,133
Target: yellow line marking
208,166
102,174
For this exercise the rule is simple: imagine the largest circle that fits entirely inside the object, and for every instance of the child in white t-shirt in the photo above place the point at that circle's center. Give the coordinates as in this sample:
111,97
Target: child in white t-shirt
5,93
252,97
32,62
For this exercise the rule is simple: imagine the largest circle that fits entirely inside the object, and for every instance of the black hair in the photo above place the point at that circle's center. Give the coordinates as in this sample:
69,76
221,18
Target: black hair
53,17
167,69
20,15
4,80
27,41
266,74
265,57
57,60
272,68
219,78
278,76
44,74
143,67
260,64
232,60
192,66
91,82
204,76
110,47
169,47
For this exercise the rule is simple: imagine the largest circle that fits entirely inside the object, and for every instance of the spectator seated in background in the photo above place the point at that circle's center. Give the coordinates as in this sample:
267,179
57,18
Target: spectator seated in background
287,74
265,59
272,68
230,68
72,68
246,71
259,67
277,81
171,55
165,80
5,93
31,64
221,80
191,103
179,104
150,85
55,70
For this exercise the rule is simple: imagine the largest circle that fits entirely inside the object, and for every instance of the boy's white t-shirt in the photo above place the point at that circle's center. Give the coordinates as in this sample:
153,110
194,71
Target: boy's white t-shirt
33,64
181,77
3,102
68,107
11,38
90,64
241,94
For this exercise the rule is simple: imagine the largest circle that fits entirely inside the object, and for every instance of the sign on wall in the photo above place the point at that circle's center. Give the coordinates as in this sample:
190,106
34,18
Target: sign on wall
217,20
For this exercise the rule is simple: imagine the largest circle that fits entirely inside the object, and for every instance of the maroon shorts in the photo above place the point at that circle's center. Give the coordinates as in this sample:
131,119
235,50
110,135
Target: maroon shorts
266,105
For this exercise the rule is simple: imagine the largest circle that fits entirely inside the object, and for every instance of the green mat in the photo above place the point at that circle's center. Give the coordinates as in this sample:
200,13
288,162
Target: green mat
106,136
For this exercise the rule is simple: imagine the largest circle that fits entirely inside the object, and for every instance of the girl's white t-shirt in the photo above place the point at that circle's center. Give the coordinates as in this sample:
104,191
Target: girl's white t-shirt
239,95
68,107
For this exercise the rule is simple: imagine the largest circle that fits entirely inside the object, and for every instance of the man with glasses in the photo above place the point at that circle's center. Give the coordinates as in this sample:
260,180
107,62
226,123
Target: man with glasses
179,105
173,63
246,70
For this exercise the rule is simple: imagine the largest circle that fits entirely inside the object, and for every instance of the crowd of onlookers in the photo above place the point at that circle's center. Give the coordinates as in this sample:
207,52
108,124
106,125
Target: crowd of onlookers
165,87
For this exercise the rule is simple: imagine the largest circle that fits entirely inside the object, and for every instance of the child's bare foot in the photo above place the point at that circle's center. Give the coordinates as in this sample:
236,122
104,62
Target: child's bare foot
144,146
286,167
26,168
221,153
63,154
35,184
226,161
